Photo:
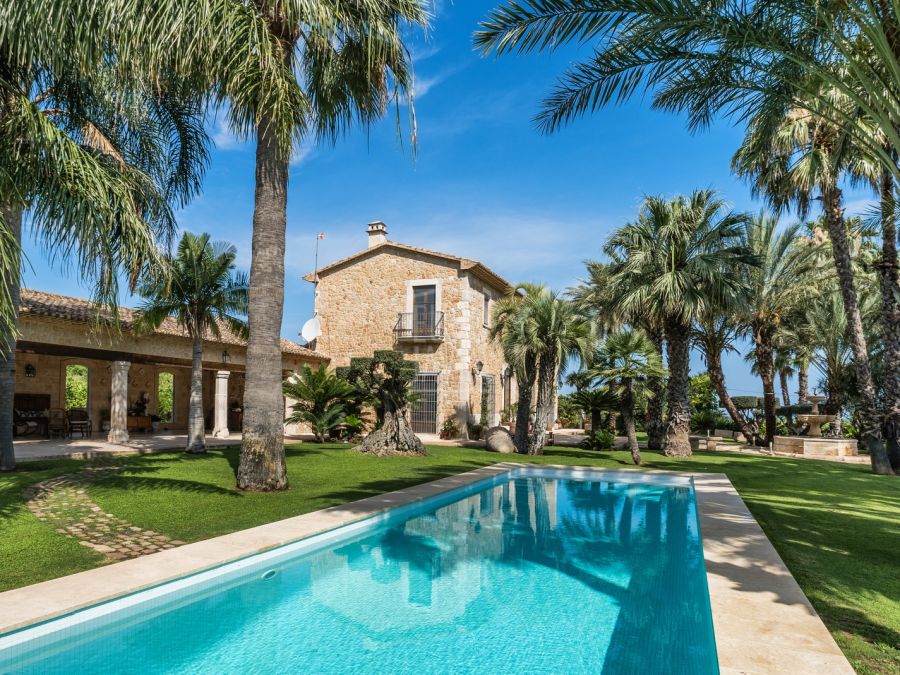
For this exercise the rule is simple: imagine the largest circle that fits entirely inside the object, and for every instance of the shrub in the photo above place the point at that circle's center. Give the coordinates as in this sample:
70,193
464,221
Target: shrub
600,440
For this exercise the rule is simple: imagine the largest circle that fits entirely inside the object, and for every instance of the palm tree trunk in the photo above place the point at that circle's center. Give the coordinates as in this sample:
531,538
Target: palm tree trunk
802,382
596,419
868,414
890,319
656,429
785,394
678,349
765,364
717,378
196,442
628,420
523,407
543,408
262,465
12,216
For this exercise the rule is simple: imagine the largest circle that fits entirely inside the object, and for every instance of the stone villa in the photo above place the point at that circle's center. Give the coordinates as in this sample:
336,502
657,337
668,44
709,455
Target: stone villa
434,307
124,370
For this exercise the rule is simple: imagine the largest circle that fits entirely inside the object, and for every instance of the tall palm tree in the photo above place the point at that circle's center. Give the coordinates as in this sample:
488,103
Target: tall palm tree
558,332
329,64
508,329
539,332
791,158
204,294
627,360
782,281
715,334
670,261
95,158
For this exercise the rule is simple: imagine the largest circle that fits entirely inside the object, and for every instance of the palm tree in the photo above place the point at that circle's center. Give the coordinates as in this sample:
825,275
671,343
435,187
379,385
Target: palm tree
95,159
508,329
327,65
627,360
321,400
715,335
595,296
790,158
556,331
781,282
202,292
838,63
539,332
670,261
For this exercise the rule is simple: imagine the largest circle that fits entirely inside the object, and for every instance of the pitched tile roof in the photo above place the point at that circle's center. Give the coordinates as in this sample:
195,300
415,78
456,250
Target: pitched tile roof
479,269
41,303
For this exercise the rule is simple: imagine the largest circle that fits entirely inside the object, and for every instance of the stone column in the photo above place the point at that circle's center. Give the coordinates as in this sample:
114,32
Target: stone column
220,417
118,413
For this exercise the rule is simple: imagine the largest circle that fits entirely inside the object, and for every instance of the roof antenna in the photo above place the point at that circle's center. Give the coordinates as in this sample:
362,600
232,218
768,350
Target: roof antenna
312,328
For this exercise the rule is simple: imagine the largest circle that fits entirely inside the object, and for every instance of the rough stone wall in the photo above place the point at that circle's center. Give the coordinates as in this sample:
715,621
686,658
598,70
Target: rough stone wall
483,350
358,305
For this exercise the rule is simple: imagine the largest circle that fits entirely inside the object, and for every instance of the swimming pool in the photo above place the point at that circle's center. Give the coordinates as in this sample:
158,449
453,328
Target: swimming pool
533,570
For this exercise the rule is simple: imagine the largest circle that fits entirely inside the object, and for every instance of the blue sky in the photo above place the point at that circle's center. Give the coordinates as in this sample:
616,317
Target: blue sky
483,184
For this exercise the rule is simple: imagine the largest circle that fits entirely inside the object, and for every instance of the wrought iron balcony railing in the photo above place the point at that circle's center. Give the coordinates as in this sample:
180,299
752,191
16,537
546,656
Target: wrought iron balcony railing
420,326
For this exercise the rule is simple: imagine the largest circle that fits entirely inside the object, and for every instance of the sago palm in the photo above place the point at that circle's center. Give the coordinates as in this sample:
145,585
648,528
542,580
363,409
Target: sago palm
321,400
202,292
672,262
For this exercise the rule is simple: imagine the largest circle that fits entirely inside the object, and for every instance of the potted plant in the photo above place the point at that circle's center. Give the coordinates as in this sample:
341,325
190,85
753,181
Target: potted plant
154,423
449,429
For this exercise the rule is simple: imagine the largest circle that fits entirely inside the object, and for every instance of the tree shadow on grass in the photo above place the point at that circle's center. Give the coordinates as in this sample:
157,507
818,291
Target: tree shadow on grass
419,475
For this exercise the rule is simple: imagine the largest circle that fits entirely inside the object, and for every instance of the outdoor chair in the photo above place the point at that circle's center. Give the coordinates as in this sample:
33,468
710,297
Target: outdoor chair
57,423
80,421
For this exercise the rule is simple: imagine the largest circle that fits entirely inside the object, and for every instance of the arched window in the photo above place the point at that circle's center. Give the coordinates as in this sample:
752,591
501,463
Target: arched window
76,386
165,397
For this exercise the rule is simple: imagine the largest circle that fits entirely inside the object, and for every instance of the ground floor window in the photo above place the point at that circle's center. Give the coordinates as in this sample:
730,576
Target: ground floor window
423,411
164,397
487,400
76,387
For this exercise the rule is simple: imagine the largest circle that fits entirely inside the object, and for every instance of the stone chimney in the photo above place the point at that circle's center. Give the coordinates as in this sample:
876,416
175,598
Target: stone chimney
377,233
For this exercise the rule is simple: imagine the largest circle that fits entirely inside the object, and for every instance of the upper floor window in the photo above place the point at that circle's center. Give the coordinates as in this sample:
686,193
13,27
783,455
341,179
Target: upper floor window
424,307
487,310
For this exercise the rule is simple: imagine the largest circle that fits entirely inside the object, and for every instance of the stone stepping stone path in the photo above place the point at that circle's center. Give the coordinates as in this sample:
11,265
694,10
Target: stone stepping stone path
63,503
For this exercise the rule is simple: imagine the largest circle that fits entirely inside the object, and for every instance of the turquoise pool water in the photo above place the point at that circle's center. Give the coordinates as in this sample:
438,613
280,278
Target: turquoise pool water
533,574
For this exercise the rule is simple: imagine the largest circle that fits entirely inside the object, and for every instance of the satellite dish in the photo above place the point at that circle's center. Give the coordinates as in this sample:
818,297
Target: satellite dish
311,330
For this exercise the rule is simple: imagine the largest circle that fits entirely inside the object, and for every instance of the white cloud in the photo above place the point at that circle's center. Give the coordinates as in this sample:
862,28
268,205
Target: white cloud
224,138
304,151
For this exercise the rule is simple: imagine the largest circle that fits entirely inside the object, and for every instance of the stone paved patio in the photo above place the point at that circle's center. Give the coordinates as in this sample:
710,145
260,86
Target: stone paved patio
63,503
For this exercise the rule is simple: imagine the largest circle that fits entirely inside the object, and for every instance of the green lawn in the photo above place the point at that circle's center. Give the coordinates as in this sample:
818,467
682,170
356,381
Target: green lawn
836,526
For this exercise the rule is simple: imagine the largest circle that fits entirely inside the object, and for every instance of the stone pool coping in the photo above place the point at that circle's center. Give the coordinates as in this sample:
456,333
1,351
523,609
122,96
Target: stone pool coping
763,622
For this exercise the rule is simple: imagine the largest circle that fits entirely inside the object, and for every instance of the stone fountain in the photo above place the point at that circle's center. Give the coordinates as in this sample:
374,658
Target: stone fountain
814,419
814,443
